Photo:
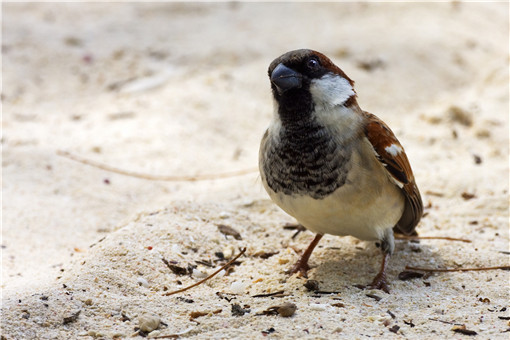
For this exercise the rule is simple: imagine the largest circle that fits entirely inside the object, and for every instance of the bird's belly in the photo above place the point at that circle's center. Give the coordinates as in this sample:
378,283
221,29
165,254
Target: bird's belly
364,207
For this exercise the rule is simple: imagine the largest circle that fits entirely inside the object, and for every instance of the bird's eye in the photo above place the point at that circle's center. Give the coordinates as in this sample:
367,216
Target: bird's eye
312,64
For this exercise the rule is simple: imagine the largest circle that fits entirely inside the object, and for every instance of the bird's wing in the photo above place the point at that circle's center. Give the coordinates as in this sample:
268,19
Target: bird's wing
391,154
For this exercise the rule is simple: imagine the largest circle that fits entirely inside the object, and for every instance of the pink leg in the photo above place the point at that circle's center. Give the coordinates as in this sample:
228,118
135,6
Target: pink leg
301,265
379,281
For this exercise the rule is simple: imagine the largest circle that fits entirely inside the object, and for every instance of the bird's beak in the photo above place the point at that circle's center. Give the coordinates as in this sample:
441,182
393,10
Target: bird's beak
285,78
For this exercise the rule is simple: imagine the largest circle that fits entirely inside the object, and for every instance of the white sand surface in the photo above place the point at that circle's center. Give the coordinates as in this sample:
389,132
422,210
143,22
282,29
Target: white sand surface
182,89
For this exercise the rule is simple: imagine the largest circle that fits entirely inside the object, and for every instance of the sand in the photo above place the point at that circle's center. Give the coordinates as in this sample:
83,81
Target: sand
182,89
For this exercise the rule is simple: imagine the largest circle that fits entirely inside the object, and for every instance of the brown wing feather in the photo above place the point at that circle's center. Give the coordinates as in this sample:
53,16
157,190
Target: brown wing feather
381,137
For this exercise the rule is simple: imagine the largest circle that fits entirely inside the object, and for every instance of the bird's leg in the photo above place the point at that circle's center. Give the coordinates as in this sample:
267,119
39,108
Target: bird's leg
301,265
387,247
379,281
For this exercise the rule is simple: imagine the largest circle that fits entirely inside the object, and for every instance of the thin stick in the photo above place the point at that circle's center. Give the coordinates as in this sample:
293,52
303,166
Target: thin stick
154,177
447,322
269,294
457,269
210,276
404,237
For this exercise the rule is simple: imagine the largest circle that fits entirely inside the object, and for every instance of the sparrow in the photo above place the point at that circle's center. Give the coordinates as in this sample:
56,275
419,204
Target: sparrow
335,168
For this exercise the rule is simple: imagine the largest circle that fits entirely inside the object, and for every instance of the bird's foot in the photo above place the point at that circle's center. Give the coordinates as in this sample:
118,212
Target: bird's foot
379,282
300,267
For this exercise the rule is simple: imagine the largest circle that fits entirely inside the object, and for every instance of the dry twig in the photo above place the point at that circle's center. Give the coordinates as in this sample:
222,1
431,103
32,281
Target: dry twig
457,269
210,276
154,177
405,237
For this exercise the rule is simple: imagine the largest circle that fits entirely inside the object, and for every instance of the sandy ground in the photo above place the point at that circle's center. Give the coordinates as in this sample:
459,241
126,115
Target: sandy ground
181,89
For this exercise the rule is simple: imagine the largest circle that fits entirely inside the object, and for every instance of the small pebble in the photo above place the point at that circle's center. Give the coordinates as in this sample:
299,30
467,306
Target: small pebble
312,285
283,261
318,306
228,252
148,322
176,249
237,310
247,203
238,287
477,159
94,334
224,215
199,274
287,309
142,282
394,329
154,334
71,318
459,115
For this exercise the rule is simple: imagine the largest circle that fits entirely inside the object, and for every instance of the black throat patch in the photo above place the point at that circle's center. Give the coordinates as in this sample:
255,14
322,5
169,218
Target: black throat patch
306,160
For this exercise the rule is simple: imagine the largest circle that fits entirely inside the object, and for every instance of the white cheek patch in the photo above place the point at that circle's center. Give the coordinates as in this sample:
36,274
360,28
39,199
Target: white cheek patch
393,150
331,90
276,124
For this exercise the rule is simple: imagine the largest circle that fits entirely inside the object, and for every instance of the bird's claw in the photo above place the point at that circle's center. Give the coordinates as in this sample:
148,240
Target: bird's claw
301,268
379,282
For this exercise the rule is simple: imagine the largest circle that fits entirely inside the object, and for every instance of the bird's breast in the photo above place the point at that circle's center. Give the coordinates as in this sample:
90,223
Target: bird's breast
305,160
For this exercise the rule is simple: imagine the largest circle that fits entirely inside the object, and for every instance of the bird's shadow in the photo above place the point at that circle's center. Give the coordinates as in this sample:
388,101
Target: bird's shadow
348,265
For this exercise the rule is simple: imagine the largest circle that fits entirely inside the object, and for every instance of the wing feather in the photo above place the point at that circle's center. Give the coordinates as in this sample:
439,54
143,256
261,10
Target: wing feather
391,154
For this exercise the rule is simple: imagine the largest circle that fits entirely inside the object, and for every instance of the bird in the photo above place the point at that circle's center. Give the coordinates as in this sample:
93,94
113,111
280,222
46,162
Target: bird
335,168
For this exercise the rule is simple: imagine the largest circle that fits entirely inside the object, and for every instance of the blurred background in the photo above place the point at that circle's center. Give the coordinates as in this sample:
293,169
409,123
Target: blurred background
182,89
